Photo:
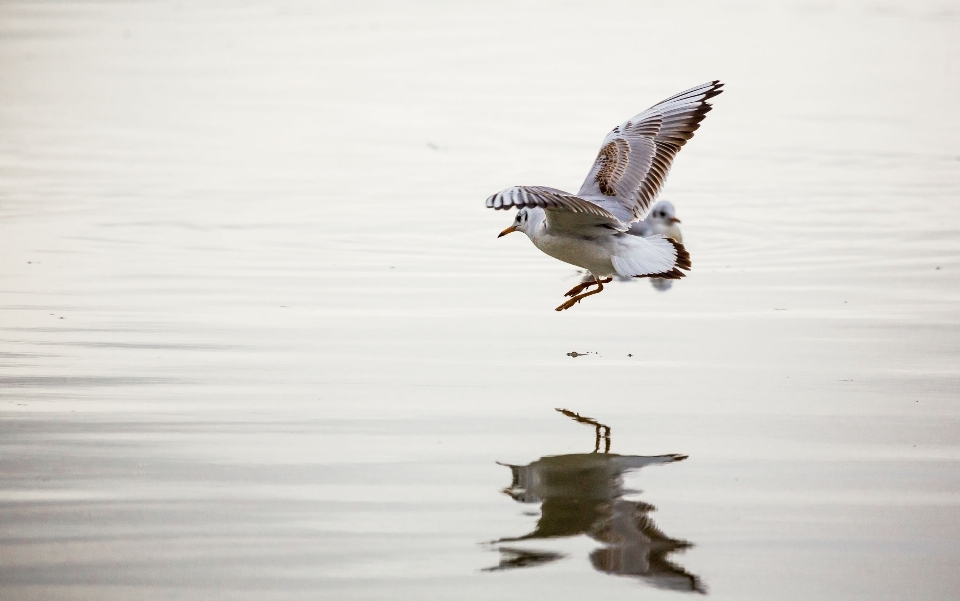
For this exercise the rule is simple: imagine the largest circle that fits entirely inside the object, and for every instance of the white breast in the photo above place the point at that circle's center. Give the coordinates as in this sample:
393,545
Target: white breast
592,255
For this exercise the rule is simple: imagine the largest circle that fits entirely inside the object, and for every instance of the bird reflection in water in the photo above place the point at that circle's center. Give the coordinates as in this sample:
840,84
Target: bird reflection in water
583,494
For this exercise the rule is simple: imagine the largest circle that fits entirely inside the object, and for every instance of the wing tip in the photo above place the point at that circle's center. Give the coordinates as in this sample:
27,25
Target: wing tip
707,91
716,88
500,201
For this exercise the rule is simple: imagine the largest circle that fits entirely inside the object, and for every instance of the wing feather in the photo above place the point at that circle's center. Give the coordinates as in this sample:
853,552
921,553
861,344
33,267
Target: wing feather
564,210
629,171
635,157
545,198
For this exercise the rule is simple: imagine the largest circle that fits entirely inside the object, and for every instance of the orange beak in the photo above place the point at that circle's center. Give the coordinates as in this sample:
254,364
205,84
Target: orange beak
674,220
512,228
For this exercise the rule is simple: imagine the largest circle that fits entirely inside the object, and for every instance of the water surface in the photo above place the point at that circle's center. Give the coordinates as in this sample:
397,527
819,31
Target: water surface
258,338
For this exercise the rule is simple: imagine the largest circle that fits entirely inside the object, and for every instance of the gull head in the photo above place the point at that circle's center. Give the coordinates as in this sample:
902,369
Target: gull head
663,212
522,222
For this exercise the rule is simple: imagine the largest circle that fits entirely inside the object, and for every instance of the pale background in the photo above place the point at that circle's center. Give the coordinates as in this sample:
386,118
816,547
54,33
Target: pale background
258,339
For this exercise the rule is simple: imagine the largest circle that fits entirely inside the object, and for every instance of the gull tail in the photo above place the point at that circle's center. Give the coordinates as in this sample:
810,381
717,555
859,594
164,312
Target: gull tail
653,257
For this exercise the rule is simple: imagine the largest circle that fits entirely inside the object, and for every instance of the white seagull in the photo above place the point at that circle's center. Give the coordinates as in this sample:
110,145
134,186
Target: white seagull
589,229
661,220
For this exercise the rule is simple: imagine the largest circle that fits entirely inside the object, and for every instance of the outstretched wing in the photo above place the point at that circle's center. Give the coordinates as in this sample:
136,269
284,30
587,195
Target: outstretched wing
564,210
636,156
545,198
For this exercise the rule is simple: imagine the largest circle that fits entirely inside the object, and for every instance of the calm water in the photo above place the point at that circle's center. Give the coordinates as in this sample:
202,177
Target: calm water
258,339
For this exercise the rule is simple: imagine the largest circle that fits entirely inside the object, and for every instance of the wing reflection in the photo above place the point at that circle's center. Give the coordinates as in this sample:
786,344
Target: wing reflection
582,494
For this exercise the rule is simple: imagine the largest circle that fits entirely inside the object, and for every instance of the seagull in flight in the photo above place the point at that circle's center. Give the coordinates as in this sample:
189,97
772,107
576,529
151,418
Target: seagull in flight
590,229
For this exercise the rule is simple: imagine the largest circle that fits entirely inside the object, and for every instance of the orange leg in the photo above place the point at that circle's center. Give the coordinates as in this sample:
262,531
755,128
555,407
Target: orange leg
581,287
579,297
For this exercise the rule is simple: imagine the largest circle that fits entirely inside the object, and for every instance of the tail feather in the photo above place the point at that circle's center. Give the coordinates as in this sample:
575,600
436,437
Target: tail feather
652,257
